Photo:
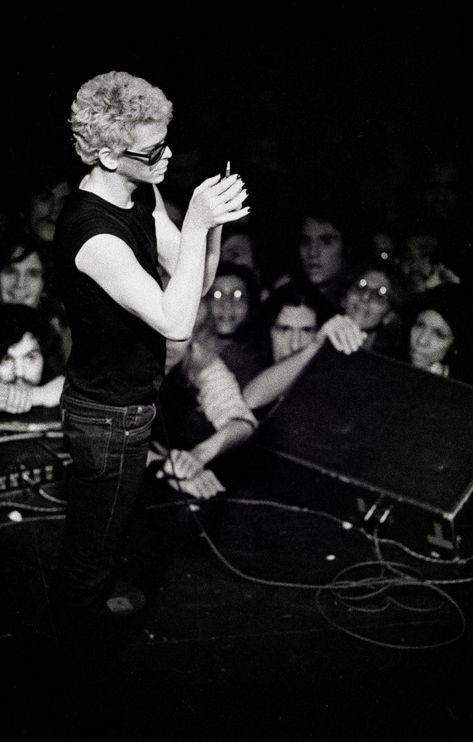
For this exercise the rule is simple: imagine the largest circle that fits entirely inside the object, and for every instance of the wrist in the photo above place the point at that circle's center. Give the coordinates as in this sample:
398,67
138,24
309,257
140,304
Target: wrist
37,399
190,224
198,452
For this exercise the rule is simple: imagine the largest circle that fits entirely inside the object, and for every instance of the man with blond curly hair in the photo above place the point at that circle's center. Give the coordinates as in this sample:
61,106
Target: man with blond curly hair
114,243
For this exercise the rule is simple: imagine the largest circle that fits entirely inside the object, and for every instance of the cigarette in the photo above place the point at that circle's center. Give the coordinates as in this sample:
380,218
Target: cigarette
227,169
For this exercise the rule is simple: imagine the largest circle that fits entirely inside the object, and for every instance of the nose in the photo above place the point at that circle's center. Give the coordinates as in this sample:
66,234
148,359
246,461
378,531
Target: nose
423,338
56,205
20,280
19,369
295,341
226,304
167,152
315,250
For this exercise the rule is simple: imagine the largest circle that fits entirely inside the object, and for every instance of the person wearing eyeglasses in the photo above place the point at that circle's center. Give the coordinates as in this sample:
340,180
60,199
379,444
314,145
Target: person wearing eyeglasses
233,301
372,302
114,243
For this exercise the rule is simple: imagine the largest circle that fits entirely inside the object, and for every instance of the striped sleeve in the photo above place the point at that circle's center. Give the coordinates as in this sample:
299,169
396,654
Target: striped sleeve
220,397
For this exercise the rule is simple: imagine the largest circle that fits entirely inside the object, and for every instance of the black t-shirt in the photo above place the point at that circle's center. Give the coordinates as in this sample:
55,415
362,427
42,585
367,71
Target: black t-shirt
116,358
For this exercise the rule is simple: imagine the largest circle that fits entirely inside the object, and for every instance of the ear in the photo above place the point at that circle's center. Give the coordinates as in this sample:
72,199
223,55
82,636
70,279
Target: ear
108,159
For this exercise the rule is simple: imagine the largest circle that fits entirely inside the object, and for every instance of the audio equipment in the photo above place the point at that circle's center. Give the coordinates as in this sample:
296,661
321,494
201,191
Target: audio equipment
401,437
33,467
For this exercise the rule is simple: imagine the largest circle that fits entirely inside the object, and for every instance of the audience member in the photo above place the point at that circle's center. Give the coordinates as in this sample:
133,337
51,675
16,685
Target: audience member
31,370
323,258
232,298
422,263
289,321
239,247
203,415
27,277
373,301
233,301
438,332
44,199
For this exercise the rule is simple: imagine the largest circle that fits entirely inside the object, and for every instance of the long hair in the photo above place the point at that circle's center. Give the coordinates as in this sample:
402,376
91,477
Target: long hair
18,319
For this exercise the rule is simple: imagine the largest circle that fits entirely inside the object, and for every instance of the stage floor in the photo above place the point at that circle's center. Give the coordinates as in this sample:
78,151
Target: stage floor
266,621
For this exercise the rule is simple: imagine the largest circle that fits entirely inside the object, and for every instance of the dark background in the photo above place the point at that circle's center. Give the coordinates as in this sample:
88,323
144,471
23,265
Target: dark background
356,101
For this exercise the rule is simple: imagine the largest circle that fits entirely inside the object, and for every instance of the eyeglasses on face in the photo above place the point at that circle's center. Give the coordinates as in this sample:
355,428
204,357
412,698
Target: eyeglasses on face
235,295
380,293
150,158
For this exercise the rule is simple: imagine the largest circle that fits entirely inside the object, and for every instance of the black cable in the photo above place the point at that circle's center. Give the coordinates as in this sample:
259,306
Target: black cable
372,587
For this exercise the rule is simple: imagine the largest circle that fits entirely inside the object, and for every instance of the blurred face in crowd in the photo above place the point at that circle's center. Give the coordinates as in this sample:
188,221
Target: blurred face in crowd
442,193
418,260
22,281
293,329
238,248
369,300
44,209
383,246
430,339
320,250
23,362
228,304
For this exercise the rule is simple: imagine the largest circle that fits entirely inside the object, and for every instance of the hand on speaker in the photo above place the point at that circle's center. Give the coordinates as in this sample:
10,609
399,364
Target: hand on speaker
181,464
343,333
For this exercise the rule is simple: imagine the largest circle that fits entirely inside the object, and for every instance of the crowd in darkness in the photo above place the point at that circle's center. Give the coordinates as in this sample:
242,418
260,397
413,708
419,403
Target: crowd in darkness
357,162
359,237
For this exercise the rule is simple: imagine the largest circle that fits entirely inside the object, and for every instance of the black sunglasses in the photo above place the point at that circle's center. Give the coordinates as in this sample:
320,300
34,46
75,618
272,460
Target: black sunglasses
151,158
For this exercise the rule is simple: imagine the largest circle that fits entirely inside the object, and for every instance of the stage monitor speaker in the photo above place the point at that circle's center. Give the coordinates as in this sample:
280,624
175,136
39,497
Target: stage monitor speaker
401,435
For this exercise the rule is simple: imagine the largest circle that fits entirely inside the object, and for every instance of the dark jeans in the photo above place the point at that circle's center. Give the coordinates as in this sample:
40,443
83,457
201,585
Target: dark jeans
108,447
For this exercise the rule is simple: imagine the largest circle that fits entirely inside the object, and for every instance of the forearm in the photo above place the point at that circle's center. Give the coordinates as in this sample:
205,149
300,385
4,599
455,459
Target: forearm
214,239
182,295
110,262
48,395
275,380
232,434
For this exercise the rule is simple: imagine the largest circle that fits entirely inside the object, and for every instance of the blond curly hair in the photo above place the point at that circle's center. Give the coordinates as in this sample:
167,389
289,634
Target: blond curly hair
107,110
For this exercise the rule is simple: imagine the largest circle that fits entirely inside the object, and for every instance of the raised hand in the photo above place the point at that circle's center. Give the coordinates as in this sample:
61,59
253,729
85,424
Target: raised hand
217,201
343,333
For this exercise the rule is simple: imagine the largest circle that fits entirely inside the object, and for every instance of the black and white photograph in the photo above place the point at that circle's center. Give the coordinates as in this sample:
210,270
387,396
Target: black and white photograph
236,374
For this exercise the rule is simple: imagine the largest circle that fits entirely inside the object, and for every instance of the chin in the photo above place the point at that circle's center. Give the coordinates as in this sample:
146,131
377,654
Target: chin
316,278
420,362
158,177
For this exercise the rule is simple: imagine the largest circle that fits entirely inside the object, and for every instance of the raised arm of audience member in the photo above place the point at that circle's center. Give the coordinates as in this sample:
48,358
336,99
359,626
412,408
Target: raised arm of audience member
295,339
217,420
